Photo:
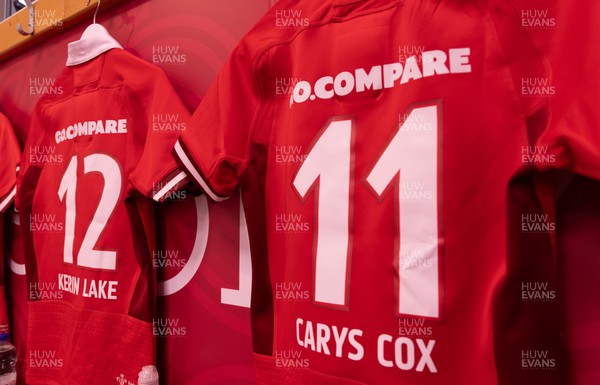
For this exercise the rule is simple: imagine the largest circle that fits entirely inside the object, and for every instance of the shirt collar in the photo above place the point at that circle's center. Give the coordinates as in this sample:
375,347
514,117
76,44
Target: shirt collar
95,41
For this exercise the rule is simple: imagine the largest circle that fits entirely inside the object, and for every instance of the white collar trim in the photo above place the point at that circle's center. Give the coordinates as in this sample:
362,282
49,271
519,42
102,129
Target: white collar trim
95,41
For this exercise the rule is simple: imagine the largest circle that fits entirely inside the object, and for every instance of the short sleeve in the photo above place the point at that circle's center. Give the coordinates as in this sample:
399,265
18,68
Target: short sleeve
166,117
571,140
214,151
11,155
527,65
29,168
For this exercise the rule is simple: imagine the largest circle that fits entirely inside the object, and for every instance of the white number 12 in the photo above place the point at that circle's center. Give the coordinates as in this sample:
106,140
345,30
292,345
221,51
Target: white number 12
111,172
412,153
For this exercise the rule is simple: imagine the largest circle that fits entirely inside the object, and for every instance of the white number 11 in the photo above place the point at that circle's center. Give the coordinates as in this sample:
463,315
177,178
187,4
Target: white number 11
412,153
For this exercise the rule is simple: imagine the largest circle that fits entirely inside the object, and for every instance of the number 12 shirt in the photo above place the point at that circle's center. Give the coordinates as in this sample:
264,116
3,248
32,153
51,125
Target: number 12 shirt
90,233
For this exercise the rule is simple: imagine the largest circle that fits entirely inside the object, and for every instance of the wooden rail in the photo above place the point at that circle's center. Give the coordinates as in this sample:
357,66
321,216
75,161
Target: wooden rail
51,17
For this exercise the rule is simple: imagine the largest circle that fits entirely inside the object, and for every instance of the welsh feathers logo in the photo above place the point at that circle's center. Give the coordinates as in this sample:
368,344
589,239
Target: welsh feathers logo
123,381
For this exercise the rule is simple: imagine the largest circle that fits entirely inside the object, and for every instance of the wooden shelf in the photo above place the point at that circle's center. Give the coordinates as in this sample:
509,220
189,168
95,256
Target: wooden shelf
51,17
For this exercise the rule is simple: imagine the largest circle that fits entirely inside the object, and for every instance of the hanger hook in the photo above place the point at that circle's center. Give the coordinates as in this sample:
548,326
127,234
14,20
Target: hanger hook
31,28
97,8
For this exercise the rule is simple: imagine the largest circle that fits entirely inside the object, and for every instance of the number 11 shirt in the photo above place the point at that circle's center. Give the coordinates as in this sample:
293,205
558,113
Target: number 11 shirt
374,148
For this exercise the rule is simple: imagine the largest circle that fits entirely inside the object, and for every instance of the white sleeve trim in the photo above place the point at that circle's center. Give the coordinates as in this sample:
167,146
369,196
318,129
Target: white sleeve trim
169,186
187,163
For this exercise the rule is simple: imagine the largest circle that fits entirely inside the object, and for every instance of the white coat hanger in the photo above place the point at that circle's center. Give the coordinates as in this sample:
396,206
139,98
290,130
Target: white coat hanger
97,8
94,29
94,41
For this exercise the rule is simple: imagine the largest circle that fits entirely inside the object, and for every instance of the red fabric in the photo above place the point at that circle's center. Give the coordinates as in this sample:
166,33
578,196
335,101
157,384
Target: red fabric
17,291
579,245
79,186
569,37
244,128
11,154
71,345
